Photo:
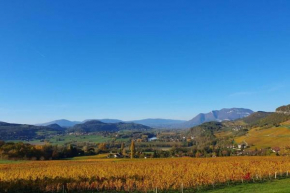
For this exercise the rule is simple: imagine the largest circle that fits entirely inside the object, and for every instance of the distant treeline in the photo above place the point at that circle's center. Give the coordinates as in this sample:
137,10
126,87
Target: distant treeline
25,151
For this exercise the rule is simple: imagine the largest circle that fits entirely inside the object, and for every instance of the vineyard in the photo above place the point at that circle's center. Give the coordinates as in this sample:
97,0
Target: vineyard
149,175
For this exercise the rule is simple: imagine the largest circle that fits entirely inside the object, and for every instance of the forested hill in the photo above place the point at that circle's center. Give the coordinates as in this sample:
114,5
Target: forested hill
11,131
98,126
255,117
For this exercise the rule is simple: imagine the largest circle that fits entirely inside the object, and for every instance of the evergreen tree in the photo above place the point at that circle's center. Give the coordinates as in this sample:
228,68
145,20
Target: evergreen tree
122,147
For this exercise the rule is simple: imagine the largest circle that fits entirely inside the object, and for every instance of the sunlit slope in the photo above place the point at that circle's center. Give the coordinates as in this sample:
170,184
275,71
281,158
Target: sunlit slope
287,124
271,137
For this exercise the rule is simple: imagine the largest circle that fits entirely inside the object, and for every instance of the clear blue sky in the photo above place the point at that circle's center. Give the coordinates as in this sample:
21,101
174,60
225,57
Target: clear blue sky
141,59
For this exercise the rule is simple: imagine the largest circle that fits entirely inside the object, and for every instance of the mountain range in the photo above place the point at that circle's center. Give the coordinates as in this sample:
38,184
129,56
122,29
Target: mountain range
60,122
216,115
11,131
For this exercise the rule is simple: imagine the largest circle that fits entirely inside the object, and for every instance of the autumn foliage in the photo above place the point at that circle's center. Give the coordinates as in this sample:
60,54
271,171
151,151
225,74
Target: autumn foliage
138,175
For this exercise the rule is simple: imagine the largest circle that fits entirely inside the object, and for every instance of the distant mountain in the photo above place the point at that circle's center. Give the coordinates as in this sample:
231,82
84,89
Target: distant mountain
216,115
104,120
62,122
158,123
154,123
67,123
98,126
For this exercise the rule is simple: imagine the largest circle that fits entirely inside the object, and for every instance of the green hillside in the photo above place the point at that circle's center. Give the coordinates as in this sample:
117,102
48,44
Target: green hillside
259,130
10,131
98,126
255,117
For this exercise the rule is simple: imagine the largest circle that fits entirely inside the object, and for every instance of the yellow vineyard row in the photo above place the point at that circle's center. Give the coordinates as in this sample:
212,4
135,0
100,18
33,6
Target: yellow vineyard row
145,175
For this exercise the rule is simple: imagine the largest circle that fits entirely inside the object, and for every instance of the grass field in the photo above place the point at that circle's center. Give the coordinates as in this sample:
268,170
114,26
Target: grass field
92,157
277,186
60,140
33,142
10,162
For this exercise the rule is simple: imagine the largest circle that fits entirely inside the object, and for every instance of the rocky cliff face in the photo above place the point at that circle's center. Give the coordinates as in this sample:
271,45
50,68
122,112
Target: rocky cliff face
283,110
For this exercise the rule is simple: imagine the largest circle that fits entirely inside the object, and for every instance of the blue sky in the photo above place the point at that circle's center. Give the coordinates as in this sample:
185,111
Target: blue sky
141,59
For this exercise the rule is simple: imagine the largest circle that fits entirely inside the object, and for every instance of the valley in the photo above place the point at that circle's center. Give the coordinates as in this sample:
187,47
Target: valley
256,133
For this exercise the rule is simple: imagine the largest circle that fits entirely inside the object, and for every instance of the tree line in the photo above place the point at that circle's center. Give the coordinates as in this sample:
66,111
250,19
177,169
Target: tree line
25,151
